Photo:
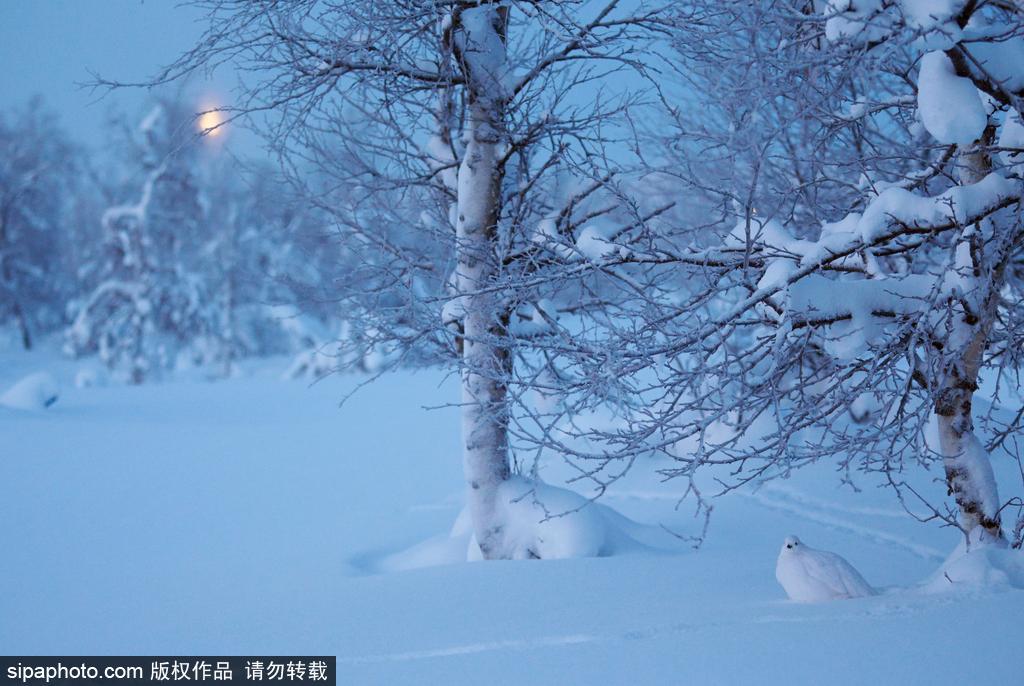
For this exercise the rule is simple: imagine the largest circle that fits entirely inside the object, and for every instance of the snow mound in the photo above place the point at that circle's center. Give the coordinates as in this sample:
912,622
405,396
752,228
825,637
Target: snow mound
984,564
553,523
445,549
34,392
541,521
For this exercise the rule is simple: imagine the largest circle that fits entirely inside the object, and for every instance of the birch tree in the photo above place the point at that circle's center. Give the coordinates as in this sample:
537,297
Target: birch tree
460,149
143,300
853,251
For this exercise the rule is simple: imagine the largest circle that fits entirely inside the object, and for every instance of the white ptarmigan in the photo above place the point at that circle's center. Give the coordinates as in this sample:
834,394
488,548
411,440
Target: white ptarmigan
814,576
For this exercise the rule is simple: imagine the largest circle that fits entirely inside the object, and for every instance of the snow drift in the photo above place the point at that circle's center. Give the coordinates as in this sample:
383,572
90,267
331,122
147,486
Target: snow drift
543,522
36,391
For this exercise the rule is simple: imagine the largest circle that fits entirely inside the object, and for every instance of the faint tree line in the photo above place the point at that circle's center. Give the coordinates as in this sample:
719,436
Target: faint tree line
159,252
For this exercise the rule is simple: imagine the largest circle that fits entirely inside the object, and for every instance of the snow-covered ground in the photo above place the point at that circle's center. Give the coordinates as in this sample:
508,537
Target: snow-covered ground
252,516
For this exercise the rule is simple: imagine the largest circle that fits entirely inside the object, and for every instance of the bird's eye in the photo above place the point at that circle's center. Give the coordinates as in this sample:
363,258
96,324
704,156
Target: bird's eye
789,545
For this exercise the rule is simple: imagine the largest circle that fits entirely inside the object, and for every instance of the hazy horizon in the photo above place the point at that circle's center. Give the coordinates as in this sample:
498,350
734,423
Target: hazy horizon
54,46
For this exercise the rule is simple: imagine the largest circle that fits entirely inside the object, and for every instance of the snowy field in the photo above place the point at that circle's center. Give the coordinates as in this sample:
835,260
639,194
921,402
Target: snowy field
254,516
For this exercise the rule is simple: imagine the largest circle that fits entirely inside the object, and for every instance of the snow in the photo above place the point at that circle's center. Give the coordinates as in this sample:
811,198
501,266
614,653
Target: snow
975,459
975,199
36,391
594,245
484,50
893,205
776,273
441,157
770,233
546,235
556,523
312,364
254,515
89,376
545,522
820,296
979,565
900,205
817,297
532,319
1011,135
849,20
453,310
930,14
950,106
868,21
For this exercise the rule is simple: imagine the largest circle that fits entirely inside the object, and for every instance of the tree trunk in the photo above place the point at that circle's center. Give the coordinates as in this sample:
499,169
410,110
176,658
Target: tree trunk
486,359
978,278
26,336
969,474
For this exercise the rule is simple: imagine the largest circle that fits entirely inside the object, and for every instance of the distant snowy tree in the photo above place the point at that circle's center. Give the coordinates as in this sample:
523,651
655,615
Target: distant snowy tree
851,250
200,260
143,306
461,151
41,176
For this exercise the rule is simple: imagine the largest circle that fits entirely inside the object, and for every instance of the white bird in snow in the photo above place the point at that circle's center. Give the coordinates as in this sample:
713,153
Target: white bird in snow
814,576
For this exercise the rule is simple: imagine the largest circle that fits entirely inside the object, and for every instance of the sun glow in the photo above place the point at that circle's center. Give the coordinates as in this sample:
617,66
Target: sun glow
211,122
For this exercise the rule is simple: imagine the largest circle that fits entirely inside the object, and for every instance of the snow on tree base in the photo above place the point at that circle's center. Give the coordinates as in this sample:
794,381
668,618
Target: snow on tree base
541,521
984,564
34,392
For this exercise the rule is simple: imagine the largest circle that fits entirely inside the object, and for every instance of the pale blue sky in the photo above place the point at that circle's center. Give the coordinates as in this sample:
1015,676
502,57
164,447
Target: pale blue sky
49,46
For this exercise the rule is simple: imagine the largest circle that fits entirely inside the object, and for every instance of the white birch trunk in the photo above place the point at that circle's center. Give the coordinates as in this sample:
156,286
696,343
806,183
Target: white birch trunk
969,474
486,360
